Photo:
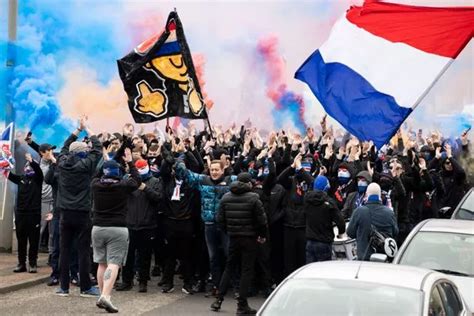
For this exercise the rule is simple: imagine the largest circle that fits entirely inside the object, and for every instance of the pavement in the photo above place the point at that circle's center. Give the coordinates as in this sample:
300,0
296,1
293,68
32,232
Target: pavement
40,300
10,281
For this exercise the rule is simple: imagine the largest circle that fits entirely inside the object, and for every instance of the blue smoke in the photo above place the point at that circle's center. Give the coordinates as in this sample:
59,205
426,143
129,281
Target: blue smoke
290,110
49,36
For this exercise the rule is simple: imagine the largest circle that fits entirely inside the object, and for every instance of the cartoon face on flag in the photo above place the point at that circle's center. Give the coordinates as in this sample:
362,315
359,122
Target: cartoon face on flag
160,79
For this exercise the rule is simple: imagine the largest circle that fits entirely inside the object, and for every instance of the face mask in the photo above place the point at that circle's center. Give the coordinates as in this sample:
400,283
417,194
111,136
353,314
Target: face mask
362,186
144,171
29,172
343,176
306,165
82,154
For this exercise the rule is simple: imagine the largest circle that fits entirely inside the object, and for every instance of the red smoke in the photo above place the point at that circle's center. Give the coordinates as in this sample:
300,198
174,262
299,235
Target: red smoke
199,63
283,99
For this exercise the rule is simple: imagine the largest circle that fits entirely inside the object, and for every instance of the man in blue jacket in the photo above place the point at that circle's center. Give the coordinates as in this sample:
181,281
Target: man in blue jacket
212,189
373,213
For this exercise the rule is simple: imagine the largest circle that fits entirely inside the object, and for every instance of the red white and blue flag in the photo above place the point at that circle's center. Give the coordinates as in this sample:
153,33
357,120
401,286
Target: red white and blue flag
6,158
381,59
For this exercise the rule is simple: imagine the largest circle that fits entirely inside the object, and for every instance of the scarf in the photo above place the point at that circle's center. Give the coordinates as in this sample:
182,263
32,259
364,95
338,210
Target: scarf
177,191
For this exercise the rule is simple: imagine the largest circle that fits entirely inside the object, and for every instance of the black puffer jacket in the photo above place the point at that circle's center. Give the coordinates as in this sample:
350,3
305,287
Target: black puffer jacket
241,212
321,212
143,205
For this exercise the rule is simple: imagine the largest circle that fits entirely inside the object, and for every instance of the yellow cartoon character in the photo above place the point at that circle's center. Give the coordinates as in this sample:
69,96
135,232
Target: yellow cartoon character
168,65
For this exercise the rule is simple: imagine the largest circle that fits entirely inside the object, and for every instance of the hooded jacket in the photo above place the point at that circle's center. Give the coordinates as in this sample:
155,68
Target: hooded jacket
296,184
143,205
321,213
241,212
29,191
75,175
360,226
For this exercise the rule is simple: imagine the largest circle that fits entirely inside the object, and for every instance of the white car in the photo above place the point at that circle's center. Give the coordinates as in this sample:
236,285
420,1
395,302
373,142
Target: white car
444,245
357,288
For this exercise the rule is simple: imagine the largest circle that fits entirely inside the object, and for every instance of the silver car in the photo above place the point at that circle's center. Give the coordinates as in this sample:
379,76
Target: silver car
444,245
356,288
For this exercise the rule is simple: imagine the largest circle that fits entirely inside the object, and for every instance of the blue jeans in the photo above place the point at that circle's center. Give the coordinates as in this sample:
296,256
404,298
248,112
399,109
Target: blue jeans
218,247
318,251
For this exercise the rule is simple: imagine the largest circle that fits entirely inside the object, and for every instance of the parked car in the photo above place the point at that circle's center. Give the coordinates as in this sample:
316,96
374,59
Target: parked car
356,288
465,208
443,245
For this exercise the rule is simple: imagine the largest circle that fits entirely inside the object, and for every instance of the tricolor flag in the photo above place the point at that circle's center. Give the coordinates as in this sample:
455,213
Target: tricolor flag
380,60
6,158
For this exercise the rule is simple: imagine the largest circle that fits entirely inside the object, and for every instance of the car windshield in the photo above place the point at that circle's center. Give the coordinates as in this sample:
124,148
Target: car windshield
447,252
301,297
466,210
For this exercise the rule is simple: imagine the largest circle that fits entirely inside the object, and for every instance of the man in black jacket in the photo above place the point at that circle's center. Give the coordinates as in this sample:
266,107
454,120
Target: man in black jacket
178,212
297,182
321,212
28,213
76,167
142,223
242,216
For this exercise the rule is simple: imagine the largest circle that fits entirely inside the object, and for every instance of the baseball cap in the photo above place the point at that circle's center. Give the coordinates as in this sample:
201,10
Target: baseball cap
46,147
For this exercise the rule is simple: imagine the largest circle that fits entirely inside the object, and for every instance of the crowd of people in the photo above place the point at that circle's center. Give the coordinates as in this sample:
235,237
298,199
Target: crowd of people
222,208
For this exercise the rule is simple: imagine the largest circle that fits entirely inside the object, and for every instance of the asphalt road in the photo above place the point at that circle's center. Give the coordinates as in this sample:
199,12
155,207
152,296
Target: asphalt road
41,300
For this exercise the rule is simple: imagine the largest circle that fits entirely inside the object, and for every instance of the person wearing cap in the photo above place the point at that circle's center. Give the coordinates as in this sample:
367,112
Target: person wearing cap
357,198
110,193
372,214
242,217
321,212
47,201
142,223
76,166
28,213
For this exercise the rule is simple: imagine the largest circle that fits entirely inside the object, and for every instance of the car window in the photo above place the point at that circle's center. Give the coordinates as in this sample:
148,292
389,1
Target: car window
303,297
451,298
445,252
466,209
436,307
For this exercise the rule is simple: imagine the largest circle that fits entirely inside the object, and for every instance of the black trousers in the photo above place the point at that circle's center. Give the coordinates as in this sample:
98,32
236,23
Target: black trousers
294,247
178,245
242,250
141,242
28,232
263,268
276,251
75,224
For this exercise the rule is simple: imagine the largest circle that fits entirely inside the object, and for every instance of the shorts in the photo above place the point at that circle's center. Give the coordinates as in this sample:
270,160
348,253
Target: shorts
110,244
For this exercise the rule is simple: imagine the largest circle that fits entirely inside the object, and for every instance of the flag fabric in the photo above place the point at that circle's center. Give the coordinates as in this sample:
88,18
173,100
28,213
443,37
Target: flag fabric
380,60
6,158
159,77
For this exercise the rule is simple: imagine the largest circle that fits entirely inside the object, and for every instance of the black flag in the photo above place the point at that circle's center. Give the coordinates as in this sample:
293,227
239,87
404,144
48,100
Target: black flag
159,77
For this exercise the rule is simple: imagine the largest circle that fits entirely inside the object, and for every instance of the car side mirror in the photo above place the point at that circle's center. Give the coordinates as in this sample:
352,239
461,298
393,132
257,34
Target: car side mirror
379,257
